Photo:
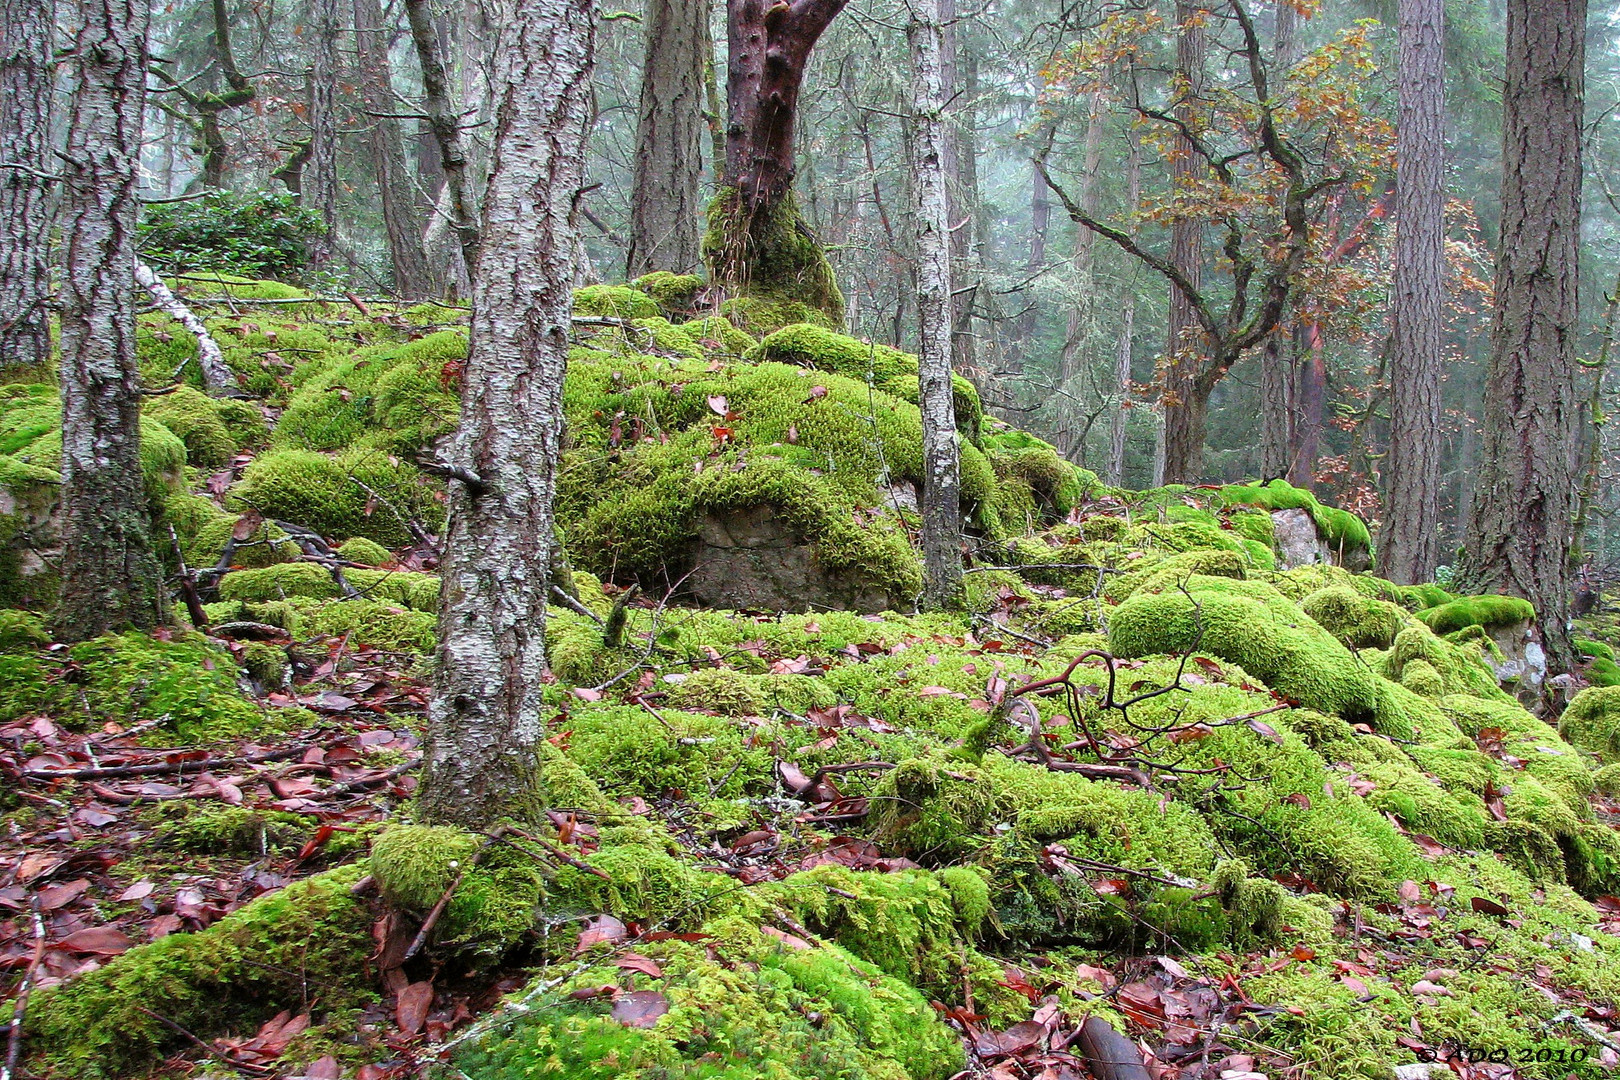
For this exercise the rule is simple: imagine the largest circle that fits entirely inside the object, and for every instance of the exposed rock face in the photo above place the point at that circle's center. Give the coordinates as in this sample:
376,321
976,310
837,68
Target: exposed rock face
1523,666
30,540
752,560
1299,544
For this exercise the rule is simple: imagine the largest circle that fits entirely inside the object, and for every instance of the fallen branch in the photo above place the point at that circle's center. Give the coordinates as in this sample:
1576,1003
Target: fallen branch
162,767
574,605
19,1010
210,358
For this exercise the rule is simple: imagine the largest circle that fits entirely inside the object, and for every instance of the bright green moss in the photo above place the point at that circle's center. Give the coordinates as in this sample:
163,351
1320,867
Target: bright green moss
414,590
1340,528
674,293
1461,668
193,416
717,690
1167,574
279,582
716,333
1356,620
382,625
970,895
627,753
325,494
741,1006
494,903
163,458
301,945
397,397
266,545
1592,722
1423,596
21,631
358,549
1486,611
615,302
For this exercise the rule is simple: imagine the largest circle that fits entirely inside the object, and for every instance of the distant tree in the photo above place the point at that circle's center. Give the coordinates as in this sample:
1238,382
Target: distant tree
1409,543
26,27
1185,350
1520,529
941,494
110,578
445,123
319,183
403,223
485,721
757,241
206,106
666,216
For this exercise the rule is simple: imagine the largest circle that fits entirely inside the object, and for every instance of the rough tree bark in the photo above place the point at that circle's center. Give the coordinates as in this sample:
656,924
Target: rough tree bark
941,496
1127,327
1277,359
1519,531
757,241
320,180
445,123
110,578
1084,260
485,719
26,27
413,279
1184,409
1409,546
665,208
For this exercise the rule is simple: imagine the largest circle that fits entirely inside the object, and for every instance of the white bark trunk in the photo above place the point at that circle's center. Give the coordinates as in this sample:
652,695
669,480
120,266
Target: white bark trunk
485,720
941,510
1127,327
215,372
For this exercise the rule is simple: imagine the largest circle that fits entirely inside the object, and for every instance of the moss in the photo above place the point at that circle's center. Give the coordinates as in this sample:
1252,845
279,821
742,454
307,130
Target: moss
358,549
718,330
381,625
1340,528
690,753
615,302
1461,667
21,632
970,895
279,582
1423,596
266,545
1594,649
325,494
758,316
195,418
742,1005
643,883
674,293
1356,620
163,458
395,397
1607,780
1169,573
297,947
1592,722
497,887
266,664
717,690
204,829
1486,611
774,256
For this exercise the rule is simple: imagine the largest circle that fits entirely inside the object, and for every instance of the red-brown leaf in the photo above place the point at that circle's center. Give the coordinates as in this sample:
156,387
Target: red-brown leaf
640,1009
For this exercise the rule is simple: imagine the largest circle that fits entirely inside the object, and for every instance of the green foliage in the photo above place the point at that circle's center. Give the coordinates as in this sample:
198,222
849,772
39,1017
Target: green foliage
256,234
357,549
286,949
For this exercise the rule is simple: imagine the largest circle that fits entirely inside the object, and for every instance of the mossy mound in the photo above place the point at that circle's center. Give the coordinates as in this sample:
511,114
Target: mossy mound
1357,620
744,1003
1592,722
772,258
1487,611
328,495
286,950
1342,530
393,397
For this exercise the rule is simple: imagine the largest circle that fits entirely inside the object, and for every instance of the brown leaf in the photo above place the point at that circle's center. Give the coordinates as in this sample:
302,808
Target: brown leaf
246,526
603,928
1409,891
790,940
325,1068
1486,906
718,405
634,962
1016,1039
95,940
640,1009
412,1005
1265,731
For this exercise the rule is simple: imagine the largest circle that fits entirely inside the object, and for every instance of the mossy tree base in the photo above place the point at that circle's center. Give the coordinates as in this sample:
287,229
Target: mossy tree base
768,253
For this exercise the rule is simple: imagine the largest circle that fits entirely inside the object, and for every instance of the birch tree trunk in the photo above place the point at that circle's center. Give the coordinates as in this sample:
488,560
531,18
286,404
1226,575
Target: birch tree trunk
320,180
110,579
1184,413
485,719
941,497
413,279
1409,547
665,208
26,27
1519,531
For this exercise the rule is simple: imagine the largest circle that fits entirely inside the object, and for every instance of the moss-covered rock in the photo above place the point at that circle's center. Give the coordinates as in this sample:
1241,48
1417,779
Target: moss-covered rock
1592,722
1357,620
296,947
328,495
1487,611
195,418
1342,530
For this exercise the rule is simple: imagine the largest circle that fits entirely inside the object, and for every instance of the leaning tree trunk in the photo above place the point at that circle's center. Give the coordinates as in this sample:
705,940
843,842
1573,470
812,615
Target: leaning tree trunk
665,212
485,718
1184,416
1519,531
1409,547
26,27
445,123
110,578
941,495
757,242
412,277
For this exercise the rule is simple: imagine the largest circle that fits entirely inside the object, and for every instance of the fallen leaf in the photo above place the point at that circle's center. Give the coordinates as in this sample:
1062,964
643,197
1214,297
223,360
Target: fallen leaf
633,962
95,940
640,1009
412,1005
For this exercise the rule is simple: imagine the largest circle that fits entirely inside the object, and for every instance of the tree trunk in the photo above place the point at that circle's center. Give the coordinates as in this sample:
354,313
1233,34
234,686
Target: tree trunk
756,241
1310,393
1127,327
1519,531
485,719
961,188
26,27
941,496
1085,247
1409,547
110,579
1277,359
1183,416
665,211
445,123
320,179
412,278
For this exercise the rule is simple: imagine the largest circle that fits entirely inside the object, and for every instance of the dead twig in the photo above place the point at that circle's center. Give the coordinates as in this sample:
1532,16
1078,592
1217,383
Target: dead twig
19,1009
